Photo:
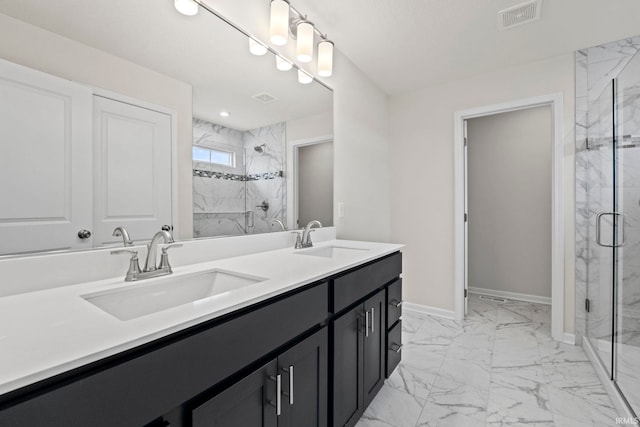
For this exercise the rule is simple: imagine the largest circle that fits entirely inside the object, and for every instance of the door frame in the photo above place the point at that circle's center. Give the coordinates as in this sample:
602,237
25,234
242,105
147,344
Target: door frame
292,174
555,101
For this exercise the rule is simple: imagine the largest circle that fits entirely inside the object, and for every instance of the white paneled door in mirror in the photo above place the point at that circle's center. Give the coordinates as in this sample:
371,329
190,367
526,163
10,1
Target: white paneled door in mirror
45,123
132,172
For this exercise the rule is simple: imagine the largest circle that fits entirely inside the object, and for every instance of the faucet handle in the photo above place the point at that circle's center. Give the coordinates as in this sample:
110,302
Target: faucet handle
298,234
164,256
134,266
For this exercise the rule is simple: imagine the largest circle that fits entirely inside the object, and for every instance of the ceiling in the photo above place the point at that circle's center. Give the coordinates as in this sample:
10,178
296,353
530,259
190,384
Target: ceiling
406,44
201,50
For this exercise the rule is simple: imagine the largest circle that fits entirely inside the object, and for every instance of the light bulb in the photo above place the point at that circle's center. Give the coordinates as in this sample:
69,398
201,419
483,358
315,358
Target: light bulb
279,24
304,78
256,48
186,7
283,64
325,58
305,41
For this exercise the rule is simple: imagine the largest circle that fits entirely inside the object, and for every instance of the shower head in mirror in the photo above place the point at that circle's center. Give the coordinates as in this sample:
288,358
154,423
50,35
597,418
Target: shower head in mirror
260,148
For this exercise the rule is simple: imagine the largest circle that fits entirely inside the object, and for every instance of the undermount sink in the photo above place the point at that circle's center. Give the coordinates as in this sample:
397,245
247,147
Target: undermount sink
331,251
160,294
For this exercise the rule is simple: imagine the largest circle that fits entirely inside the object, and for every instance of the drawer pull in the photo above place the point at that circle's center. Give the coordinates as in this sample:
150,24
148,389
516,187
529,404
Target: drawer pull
278,403
366,324
396,303
289,370
396,347
373,322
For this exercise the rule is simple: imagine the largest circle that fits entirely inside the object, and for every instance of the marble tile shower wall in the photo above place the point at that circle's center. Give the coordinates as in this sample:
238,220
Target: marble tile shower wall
595,68
271,189
227,204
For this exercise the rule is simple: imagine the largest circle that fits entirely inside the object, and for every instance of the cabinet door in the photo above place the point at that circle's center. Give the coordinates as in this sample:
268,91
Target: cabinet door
374,345
248,403
45,161
348,399
132,170
304,383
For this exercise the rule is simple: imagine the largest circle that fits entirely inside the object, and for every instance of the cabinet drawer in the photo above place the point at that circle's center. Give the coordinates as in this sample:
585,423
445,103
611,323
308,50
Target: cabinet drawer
160,378
356,284
394,302
394,347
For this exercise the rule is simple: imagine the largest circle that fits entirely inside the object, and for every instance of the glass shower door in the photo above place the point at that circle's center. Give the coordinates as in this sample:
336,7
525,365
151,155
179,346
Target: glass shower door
627,254
600,271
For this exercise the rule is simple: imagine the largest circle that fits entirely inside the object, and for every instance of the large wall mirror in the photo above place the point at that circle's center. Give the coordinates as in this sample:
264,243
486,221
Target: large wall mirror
127,113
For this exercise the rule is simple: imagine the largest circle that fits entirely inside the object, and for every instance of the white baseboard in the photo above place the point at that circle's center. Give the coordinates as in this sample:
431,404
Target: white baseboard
612,390
569,339
510,295
432,311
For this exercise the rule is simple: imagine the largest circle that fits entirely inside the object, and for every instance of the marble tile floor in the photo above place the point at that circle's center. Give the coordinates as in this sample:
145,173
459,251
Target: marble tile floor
499,367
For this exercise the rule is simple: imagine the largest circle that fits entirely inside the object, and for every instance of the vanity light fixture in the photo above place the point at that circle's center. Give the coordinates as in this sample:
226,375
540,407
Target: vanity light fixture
186,7
279,24
282,64
304,46
224,113
304,77
325,58
256,48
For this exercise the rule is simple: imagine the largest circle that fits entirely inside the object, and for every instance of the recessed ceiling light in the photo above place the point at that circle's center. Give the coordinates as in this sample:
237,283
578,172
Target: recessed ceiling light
186,7
224,113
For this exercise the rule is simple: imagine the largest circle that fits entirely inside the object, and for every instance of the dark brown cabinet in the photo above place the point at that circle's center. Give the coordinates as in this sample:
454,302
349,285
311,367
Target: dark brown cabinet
246,403
359,358
289,391
394,326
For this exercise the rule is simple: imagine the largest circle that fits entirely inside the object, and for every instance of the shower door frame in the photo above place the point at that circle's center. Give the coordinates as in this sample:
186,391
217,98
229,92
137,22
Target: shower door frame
555,101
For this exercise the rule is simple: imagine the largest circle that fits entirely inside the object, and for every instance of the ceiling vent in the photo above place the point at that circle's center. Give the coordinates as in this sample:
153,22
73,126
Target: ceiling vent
520,14
265,98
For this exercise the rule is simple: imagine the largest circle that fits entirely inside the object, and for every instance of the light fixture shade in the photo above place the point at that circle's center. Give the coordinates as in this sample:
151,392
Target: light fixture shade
186,7
325,58
304,78
304,48
256,48
279,24
283,64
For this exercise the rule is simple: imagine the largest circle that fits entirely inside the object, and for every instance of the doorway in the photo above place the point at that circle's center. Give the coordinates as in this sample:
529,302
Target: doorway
462,203
310,181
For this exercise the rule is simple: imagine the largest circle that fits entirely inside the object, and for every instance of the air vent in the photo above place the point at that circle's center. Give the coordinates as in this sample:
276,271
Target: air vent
520,14
265,98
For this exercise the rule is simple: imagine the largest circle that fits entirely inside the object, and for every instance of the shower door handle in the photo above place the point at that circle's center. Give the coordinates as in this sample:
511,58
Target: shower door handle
599,234
249,219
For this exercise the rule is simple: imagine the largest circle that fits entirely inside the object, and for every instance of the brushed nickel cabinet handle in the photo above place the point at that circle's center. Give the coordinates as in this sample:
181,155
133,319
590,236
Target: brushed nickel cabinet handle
373,322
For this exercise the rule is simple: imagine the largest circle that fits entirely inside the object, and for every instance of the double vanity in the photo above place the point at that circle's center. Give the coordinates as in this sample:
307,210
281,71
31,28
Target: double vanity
284,337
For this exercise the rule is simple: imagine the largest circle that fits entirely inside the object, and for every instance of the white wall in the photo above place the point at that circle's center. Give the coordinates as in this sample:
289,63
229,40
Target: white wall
509,201
310,127
36,48
422,180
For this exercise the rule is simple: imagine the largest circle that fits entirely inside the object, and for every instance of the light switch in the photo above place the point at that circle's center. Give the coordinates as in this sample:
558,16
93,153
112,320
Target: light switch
340,210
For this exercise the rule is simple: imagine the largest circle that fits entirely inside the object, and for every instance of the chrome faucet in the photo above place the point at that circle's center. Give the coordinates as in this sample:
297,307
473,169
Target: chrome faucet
152,249
121,231
303,238
280,223
150,267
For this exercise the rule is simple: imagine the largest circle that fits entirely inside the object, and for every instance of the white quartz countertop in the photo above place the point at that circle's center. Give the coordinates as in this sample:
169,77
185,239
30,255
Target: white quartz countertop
48,332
